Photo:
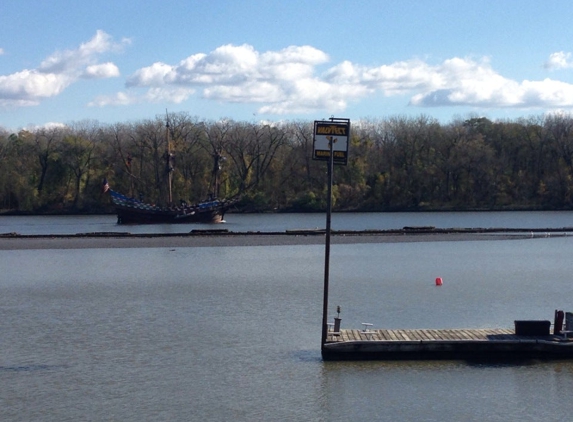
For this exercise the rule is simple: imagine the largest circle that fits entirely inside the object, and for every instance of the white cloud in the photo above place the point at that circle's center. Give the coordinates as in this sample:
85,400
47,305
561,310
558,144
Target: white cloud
282,80
395,79
50,126
120,98
1,51
101,71
454,82
154,75
559,60
73,60
28,87
58,71
231,65
296,79
153,95
171,95
288,81
54,125
466,82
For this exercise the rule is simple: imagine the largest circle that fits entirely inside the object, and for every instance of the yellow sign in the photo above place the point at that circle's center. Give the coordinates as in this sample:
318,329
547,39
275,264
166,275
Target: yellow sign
335,132
330,129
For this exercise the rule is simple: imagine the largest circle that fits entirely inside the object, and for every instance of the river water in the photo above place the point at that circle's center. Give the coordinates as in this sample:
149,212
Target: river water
281,222
233,333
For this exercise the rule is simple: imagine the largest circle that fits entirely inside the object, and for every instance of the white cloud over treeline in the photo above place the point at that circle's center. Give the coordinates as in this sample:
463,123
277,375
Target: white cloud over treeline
296,79
58,71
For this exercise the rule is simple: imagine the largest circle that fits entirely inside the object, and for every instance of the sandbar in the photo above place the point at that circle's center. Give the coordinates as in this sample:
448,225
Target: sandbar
228,240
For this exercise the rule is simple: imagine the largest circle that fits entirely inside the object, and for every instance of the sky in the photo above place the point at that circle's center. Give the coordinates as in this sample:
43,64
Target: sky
64,61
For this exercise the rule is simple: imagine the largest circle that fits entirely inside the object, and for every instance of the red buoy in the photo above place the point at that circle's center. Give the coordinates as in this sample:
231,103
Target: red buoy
439,281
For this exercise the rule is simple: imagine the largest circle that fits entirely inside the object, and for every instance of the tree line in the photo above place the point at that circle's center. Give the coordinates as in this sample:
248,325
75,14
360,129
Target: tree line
395,164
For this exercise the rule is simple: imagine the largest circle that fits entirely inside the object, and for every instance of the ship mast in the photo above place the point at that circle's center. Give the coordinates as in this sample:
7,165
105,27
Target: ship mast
217,157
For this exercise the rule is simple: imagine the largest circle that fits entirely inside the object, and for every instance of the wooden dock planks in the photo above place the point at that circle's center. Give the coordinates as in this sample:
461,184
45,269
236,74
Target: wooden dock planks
417,335
443,343
422,335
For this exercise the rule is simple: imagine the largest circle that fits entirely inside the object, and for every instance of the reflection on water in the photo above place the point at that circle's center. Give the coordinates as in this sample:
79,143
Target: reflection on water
452,391
232,333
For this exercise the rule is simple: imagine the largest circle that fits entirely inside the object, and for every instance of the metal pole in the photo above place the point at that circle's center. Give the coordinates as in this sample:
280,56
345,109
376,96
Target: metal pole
169,161
327,247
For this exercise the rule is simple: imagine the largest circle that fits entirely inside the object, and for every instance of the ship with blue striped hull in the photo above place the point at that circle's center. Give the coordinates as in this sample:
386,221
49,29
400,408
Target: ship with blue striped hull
133,211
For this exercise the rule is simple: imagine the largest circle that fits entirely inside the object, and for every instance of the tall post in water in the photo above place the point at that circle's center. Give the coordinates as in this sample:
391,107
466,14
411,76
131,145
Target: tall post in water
327,247
169,161
326,134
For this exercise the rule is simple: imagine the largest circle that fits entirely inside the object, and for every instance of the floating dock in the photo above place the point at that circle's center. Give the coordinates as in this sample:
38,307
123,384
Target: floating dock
470,344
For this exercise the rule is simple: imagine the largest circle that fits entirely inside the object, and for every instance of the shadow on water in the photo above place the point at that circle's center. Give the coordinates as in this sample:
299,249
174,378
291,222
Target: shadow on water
27,368
307,356
512,362
475,362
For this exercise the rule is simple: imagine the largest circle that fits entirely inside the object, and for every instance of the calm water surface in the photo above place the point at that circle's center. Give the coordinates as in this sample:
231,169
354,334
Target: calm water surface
282,222
232,333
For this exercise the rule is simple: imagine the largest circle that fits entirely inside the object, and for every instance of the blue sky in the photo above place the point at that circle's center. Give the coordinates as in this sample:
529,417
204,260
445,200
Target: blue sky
251,60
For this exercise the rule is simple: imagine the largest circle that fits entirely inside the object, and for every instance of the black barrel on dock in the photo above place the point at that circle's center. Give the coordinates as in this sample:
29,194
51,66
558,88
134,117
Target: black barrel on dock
532,328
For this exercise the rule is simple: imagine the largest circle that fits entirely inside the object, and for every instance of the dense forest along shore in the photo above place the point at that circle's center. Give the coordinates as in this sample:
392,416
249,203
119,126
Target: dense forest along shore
395,164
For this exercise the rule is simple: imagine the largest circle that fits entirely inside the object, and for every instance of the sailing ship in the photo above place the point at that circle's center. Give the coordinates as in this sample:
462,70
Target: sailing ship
135,211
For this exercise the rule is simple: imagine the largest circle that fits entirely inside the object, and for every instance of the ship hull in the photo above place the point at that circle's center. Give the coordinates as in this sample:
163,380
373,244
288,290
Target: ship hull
132,211
133,216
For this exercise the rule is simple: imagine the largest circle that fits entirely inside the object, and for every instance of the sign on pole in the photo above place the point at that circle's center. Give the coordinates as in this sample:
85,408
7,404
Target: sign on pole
336,131
330,145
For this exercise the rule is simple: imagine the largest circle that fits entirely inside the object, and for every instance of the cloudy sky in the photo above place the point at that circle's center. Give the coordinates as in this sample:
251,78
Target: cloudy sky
124,60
